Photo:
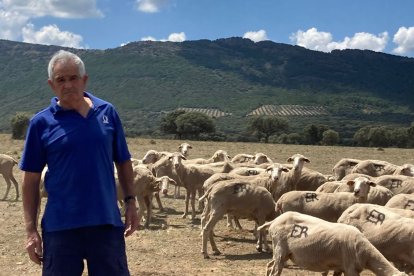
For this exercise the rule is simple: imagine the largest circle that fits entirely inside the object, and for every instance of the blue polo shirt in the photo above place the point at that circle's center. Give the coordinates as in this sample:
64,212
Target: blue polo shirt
79,153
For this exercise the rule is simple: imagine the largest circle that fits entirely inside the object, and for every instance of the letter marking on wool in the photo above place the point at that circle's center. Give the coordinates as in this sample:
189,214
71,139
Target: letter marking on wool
376,217
409,205
239,188
298,231
311,197
396,184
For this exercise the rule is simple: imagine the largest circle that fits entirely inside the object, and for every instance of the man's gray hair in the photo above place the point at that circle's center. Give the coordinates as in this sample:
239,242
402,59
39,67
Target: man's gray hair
64,56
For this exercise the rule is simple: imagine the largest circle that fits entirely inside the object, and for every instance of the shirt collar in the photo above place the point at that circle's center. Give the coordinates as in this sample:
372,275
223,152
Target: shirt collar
54,107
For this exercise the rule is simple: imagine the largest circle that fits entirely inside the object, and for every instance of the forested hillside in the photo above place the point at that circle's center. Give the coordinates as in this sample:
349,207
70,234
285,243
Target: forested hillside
237,76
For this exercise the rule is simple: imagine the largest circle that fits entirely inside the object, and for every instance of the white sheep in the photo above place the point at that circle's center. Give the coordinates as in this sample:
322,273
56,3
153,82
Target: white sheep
330,186
402,201
379,167
218,156
327,206
398,184
344,167
6,169
242,158
389,232
184,148
377,195
145,184
261,158
318,245
240,199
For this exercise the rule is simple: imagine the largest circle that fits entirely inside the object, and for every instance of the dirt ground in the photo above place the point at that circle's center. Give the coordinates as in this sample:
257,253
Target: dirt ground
171,246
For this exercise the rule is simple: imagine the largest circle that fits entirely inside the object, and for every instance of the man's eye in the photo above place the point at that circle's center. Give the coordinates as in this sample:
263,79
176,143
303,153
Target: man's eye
60,80
73,78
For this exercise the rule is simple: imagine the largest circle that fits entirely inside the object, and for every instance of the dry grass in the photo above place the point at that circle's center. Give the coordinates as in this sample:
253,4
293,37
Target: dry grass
172,245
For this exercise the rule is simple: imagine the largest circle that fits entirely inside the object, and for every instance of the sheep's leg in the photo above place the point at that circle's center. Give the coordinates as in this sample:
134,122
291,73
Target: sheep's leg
187,198
16,186
193,211
350,270
237,223
200,203
148,205
141,208
176,191
208,234
204,215
276,266
230,221
8,187
157,197
262,239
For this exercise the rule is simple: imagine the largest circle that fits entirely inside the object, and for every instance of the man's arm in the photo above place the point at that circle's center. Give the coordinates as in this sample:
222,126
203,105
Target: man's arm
31,202
126,178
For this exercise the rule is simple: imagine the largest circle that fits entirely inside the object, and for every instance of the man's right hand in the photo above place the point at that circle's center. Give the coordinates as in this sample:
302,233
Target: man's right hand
34,247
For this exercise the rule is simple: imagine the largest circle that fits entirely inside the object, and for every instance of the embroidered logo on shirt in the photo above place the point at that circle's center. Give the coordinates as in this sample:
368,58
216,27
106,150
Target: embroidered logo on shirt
105,119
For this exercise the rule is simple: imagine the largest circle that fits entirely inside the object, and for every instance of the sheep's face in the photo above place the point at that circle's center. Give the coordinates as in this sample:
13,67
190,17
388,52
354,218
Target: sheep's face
164,182
184,148
361,186
176,159
298,161
275,171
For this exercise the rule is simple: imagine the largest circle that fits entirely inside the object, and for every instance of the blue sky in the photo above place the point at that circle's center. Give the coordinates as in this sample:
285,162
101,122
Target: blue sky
323,25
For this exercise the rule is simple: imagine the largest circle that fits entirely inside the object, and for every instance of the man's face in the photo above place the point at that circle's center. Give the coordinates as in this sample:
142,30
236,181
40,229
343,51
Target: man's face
67,84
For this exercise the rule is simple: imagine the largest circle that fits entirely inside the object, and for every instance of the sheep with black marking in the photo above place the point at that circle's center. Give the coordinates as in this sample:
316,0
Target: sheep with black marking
391,233
402,201
318,245
240,199
344,167
327,206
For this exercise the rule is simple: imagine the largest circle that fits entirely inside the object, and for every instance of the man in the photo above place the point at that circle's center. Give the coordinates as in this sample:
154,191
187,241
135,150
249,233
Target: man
78,137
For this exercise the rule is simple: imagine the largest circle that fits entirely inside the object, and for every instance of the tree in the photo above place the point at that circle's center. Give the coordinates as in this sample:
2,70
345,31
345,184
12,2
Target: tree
264,126
313,134
19,124
330,137
191,124
168,124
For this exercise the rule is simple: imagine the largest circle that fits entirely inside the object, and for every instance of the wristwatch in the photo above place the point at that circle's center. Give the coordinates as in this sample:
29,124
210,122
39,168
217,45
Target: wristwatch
129,198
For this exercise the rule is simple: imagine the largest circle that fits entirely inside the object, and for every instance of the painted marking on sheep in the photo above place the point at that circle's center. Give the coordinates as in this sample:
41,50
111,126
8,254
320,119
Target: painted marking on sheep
253,172
379,168
311,197
298,231
409,205
396,184
376,217
239,188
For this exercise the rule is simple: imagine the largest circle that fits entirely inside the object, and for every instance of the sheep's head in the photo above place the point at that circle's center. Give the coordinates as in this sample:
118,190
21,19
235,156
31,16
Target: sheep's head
220,155
150,157
298,161
361,186
164,182
184,148
176,159
275,171
407,169
260,158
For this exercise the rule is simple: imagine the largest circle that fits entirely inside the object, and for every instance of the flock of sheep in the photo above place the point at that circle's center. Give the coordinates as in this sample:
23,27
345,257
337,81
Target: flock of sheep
360,217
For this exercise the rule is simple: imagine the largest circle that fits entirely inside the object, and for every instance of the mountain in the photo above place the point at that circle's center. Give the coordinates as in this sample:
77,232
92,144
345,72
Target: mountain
232,75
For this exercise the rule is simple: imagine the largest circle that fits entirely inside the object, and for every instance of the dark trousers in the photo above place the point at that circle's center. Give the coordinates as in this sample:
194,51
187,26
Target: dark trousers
103,248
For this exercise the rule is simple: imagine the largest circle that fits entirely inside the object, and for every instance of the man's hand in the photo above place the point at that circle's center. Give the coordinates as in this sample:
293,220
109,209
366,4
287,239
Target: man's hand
131,218
34,247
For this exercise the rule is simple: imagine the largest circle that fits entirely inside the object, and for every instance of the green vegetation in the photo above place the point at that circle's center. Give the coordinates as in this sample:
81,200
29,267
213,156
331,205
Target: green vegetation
145,80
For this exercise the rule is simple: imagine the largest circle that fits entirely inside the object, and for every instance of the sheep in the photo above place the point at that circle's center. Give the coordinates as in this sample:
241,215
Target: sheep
398,184
318,245
344,167
389,232
153,156
260,158
184,149
192,177
352,176
402,201
219,155
6,169
379,167
330,186
377,195
240,199
242,158
145,184
327,206
310,180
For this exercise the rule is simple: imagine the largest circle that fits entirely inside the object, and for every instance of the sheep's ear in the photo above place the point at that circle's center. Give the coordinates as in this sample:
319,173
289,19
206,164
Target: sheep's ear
172,181
372,184
350,183
285,169
290,159
190,147
306,160
183,157
170,157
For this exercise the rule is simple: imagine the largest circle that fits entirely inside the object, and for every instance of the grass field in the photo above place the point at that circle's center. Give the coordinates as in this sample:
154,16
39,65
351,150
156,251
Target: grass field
171,246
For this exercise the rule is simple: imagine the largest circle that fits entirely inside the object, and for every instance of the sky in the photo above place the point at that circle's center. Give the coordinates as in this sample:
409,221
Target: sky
323,25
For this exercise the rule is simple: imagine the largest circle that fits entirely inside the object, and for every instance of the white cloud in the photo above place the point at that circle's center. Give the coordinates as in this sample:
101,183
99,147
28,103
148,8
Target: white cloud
51,35
256,36
177,37
11,24
404,38
173,37
322,41
151,6
55,8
